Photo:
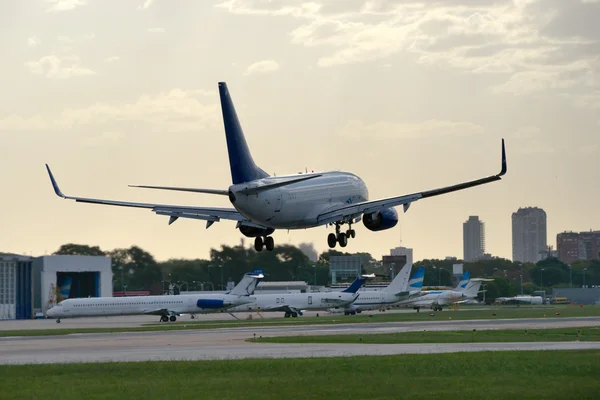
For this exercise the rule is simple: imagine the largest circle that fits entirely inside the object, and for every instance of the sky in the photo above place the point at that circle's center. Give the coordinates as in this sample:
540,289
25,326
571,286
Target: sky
409,95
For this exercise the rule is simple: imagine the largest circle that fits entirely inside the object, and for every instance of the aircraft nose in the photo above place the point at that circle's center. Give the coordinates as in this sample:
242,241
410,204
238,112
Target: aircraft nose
51,312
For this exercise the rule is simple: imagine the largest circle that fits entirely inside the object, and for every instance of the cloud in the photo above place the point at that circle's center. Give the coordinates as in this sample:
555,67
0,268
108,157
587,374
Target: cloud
588,150
157,30
55,67
388,130
33,41
518,41
64,5
175,110
111,60
262,67
146,5
103,139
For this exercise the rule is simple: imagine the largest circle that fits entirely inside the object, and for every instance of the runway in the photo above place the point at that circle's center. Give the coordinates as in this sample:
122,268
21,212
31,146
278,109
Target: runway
230,343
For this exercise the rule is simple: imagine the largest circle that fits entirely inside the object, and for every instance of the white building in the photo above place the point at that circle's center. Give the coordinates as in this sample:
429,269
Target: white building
473,239
529,234
403,251
60,277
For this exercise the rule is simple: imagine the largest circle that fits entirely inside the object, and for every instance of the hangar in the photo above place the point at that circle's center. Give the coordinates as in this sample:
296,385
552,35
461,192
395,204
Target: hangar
16,294
60,277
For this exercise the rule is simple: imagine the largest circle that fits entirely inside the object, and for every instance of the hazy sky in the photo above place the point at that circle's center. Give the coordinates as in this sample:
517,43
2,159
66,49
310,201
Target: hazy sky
408,95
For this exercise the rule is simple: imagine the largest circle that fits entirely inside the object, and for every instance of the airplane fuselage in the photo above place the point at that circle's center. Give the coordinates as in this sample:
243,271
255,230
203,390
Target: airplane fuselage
140,305
300,301
297,205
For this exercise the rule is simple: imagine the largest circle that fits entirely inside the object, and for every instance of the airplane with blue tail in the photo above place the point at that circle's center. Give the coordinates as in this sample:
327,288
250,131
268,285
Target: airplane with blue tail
262,203
167,307
401,288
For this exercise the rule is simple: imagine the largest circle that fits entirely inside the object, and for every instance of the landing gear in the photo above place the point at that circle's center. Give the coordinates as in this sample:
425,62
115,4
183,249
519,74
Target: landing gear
268,242
58,320
436,308
164,318
172,318
340,237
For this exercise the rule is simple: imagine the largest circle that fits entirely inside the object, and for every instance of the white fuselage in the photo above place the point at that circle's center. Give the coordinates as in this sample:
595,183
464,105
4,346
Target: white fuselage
299,301
438,297
369,300
140,305
297,205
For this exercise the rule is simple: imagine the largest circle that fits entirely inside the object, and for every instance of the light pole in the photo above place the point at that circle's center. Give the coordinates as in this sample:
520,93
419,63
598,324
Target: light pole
570,277
393,270
521,265
315,274
584,272
483,286
542,279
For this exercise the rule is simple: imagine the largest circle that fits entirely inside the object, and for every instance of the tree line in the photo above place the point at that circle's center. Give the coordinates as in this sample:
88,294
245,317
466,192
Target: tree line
136,269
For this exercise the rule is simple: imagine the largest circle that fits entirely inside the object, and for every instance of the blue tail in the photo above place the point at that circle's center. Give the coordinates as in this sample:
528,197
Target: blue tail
357,284
416,282
463,281
243,168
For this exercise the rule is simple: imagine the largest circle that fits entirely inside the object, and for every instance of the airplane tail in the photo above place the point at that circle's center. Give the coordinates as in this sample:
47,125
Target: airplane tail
400,282
248,283
472,289
416,282
463,282
243,168
357,284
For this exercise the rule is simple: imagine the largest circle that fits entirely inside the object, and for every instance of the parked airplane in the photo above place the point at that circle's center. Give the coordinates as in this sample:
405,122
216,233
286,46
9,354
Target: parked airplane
294,304
399,289
168,307
263,203
466,290
521,300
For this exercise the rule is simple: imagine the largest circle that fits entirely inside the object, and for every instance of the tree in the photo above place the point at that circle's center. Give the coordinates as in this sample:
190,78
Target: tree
135,268
72,249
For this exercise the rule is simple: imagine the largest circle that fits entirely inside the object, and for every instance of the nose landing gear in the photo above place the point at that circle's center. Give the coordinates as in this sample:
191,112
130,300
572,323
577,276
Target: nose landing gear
340,237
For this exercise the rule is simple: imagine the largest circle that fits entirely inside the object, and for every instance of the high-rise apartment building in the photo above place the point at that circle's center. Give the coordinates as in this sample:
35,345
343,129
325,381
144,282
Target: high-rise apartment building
574,246
403,251
473,239
528,234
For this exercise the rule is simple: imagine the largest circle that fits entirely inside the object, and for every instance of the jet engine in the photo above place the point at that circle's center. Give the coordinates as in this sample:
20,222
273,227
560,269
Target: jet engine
381,220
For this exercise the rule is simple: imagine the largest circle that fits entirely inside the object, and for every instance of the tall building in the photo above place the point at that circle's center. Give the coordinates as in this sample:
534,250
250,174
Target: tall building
528,234
473,239
403,251
572,246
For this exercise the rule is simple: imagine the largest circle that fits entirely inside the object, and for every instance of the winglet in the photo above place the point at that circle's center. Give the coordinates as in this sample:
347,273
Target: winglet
503,171
54,184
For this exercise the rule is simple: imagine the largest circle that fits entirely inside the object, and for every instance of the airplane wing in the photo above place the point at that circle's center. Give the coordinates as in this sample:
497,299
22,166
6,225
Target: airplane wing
351,211
208,214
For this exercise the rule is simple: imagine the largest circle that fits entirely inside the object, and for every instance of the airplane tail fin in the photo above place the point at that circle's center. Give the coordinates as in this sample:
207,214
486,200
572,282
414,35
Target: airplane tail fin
464,280
243,168
472,289
248,283
357,284
400,282
416,282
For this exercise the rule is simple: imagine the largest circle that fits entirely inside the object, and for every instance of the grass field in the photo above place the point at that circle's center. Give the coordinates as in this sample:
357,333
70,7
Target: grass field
507,335
486,375
365,317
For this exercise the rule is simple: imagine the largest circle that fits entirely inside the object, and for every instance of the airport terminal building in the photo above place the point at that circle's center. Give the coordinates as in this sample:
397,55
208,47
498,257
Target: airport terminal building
29,286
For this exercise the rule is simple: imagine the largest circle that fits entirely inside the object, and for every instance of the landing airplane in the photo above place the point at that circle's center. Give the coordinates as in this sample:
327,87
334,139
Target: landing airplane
263,203
167,307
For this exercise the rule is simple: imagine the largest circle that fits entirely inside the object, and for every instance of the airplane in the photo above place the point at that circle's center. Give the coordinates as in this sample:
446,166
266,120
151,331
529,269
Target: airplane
168,307
263,203
294,304
522,299
399,289
466,290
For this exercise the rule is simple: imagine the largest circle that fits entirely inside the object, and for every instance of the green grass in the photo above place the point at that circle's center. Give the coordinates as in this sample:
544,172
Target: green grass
507,335
365,317
485,375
